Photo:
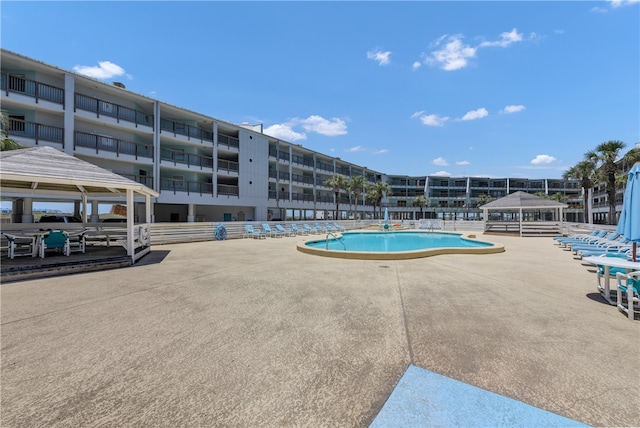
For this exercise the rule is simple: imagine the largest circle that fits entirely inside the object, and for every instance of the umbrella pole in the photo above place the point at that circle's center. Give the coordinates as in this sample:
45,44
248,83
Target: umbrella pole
633,252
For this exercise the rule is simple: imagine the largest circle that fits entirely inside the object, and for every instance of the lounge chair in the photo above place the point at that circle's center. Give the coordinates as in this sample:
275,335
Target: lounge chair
612,244
340,227
585,238
622,252
319,228
309,229
55,240
253,233
299,231
273,233
20,245
330,228
630,284
285,231
576,236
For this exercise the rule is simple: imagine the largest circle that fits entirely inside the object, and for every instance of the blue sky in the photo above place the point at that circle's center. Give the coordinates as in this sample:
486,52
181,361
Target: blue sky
497,89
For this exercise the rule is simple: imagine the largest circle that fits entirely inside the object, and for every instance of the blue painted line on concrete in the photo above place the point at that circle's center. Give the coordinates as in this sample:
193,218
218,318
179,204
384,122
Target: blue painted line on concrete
423,398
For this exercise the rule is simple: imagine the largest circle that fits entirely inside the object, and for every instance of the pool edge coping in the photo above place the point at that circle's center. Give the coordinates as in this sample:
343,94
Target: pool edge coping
402,255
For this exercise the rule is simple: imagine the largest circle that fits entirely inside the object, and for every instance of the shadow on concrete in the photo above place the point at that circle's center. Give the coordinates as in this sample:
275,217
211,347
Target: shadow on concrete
154,257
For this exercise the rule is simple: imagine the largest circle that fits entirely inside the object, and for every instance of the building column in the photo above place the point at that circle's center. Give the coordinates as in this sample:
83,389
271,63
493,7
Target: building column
27,210
190,215
95,217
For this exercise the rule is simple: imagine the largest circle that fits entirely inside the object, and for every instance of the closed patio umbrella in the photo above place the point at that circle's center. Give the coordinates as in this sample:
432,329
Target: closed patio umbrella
629,223
386,215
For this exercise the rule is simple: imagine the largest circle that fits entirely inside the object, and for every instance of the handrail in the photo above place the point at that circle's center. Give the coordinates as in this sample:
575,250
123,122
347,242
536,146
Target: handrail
334,237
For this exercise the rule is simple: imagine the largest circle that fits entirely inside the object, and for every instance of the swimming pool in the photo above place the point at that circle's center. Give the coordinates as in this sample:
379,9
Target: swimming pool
397,245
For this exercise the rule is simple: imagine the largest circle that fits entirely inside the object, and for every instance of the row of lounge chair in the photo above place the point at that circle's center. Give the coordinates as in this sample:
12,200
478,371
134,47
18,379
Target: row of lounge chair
603,243
278,230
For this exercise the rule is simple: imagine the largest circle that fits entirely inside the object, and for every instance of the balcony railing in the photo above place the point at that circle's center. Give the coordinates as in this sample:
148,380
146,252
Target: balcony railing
228,190
108,144
40,91
229,166
324,166
180,157
326,198
37,131
283,156
179,128
304,197
302,161
226,140
106,108
189,187
302,179
147,180
273,152
283,176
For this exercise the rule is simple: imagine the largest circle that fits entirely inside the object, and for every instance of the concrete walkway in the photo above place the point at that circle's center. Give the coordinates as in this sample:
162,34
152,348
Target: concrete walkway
254,333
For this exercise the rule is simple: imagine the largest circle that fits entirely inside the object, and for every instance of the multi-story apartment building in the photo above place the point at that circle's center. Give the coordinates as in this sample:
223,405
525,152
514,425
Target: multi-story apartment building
206,169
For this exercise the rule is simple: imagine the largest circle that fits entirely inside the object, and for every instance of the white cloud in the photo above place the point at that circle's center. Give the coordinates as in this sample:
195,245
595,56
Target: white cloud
618,3
475,114
322,126
355,149
381,151
383,58
284,132
512,109
543,160
506,39
442,174
440,161
416,65
430,119
463,163
453,55
104,70
313,123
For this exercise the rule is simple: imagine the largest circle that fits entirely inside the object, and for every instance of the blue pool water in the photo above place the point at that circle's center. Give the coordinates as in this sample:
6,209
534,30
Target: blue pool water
395,242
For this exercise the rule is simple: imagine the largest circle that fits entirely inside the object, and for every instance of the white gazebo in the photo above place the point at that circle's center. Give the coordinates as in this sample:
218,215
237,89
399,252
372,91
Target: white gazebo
525,214
46,173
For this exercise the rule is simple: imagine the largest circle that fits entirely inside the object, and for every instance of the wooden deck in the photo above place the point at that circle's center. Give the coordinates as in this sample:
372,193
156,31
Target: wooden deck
95,258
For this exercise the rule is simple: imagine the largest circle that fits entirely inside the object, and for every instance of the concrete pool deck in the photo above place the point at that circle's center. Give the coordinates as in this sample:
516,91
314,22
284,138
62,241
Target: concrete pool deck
255,333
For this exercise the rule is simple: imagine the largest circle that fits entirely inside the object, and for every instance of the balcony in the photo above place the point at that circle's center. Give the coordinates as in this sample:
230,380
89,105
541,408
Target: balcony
228,190
116,111
280,196
229,142
228,166
189,159
35,131
301,197
189,187
297,178
300,160
108,144
31,88
191,132
147,180
324,166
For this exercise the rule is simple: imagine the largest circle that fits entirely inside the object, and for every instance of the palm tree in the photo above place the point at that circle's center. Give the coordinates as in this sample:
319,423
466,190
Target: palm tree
585,172
375,193
482,200
356,185
338,182
604,157
6,143
420,201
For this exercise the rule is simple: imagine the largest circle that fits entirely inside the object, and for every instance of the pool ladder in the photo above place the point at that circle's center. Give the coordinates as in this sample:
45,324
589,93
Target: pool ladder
326,241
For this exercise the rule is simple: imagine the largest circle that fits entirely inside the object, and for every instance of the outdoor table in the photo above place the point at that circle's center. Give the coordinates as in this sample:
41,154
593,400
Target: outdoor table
609,262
